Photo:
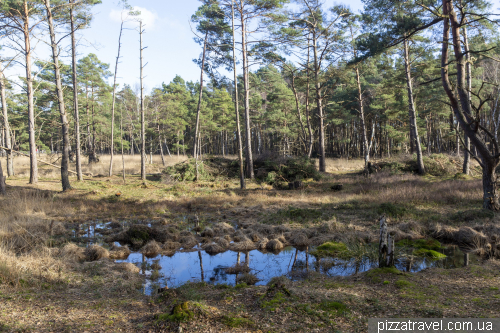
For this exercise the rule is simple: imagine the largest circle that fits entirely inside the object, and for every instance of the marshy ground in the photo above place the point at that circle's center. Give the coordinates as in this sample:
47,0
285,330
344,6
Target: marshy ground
50,281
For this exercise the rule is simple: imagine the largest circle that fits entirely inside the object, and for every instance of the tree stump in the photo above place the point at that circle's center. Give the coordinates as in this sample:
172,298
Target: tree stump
386,245
390,249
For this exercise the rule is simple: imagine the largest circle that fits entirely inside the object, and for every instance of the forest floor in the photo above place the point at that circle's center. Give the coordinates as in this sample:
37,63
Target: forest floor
45,290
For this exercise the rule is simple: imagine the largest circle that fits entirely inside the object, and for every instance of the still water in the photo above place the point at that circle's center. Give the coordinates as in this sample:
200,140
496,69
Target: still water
199,266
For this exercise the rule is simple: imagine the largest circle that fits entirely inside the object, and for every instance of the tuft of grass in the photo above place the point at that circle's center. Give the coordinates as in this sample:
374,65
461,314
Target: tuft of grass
392,210
472,214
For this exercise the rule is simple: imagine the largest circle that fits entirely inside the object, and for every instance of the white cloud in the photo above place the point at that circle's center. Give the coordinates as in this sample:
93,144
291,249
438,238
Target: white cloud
148,18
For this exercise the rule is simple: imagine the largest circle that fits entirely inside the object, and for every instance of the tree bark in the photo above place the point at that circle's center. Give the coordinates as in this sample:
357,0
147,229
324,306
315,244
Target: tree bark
383,247
60,99
198,108
412,111
113,104
236,108
319,101
29,92
366,149
143,130
2,181
248,129
78,160
462,108
8,142
308,116
466,165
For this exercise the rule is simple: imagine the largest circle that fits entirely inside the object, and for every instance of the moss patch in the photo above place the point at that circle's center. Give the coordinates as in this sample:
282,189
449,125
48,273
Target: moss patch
429,254
329,249
232,321
180,313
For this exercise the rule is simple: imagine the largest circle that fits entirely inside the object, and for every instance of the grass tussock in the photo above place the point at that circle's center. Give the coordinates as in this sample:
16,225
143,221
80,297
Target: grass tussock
151,249
119,252
238,269
95,252
243,246
248,278
214,248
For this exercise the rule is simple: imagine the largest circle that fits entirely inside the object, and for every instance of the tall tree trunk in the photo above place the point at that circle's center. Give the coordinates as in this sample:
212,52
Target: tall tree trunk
29,92
460,102
236,109
121,144
8,142
143,130
412,111
78,160
302,133
308,117
198,108
60,99
366,148
319,101
248,129
93,156
113,104
466,165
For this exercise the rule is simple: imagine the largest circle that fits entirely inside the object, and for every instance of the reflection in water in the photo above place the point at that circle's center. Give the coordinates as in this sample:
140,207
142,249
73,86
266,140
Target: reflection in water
293,262
182,266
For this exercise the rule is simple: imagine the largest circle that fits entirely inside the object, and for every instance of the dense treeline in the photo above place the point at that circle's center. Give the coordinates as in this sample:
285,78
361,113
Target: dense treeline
316,81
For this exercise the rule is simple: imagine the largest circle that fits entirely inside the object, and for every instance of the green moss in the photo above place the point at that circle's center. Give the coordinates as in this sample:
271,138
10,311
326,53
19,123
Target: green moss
275,302
429,254
427,244
336,308
180,313
332,247
329,249
241,285
386,282
403,284
234,322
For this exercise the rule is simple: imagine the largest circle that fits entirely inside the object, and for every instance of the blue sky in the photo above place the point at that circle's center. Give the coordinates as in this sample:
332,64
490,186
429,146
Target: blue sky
168,36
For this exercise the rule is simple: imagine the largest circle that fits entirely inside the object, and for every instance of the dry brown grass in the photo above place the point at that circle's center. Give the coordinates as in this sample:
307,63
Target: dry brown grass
132,165
335,165
151,249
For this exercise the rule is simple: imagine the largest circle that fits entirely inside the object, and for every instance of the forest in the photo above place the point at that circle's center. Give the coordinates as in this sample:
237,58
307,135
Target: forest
360,145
